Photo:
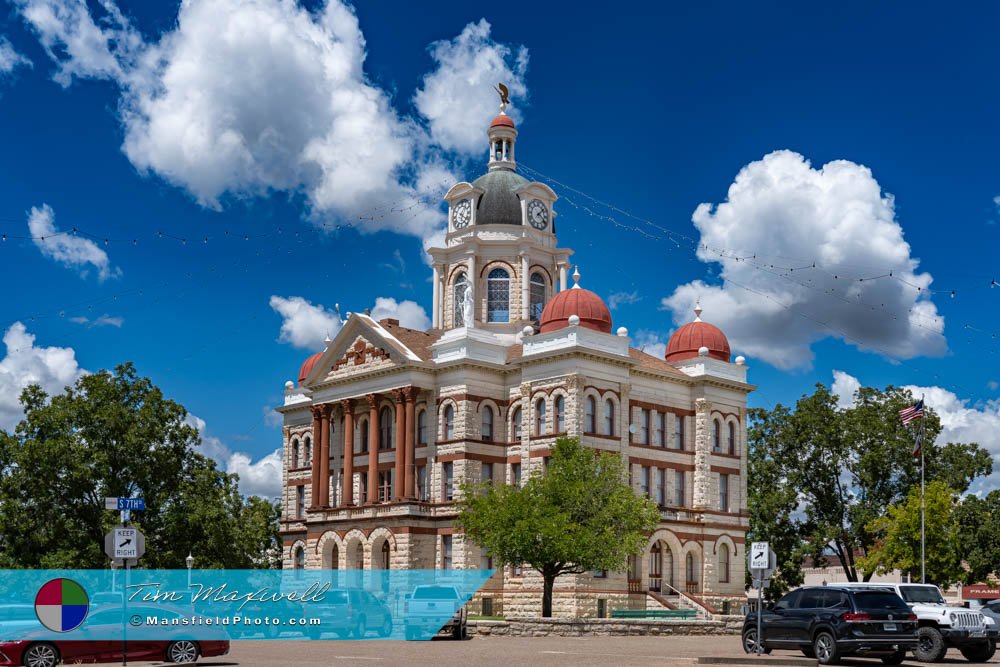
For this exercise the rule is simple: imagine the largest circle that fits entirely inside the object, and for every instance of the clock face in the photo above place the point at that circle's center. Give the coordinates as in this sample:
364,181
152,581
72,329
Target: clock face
538,214
461,214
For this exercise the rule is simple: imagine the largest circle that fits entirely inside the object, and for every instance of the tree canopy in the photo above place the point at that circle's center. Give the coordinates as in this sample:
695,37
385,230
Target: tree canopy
578,516
115,434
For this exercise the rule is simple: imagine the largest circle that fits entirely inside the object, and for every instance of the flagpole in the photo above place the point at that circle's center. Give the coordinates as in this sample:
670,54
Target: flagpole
923,507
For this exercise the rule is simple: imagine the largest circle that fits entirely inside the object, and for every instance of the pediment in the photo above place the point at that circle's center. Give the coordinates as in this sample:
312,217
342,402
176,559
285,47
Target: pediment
358,348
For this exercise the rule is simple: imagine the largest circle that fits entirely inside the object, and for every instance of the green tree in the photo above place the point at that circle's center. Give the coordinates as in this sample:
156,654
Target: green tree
114,434
844,467
897,545
977,522
579,516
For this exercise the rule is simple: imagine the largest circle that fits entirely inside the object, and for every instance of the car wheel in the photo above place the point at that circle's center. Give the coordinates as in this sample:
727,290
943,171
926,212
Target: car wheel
825,648
182,651
980,652
360,629
386,628
41,655
930,645
896,658
456,632
750,642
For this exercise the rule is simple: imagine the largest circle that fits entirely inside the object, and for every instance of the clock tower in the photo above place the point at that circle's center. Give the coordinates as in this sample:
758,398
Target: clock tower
500,264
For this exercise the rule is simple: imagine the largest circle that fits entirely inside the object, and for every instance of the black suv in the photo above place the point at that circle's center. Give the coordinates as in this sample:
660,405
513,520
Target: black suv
829,622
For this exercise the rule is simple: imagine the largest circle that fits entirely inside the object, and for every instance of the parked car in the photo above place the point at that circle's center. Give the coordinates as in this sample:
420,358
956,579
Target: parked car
424,608
91,644
830,622
992,610
942,626
350,612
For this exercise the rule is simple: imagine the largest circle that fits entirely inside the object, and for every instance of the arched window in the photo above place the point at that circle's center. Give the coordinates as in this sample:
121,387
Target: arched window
655,567
385,555
385,428
449,422
716,436
540,416
590,423
692,578
487,423
732,438
307,451
422,427
724,564
609,417
299,558
461,285
295,453
498,296
335,557
364,436
515,424
560,414
668,565
537,297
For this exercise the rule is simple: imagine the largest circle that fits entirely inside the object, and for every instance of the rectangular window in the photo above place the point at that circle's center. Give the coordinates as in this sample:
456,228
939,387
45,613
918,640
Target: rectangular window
364,488
661,429
446,552
515,474
644,426
517,570
448,481
300,501
679,432
644,481
487,473
599,574
485,560
422,482
723,493
679,483
385,486
659,486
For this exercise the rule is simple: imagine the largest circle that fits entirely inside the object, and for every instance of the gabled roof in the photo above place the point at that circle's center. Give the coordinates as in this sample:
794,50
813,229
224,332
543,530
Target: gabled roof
649,361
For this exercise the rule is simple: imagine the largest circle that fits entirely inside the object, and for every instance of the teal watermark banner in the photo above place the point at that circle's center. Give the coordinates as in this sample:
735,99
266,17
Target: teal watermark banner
219,605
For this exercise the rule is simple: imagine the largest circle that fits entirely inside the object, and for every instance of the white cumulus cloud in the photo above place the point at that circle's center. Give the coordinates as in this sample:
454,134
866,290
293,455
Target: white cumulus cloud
9,58
67,248
257,478
845,386
782,214
962,420
53,368
459,94
306,325
409,313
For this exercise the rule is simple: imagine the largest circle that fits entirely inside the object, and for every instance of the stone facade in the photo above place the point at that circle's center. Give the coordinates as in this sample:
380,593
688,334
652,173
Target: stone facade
387,422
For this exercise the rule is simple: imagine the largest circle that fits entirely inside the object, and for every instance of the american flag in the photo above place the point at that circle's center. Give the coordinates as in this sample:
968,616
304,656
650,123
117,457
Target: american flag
912,413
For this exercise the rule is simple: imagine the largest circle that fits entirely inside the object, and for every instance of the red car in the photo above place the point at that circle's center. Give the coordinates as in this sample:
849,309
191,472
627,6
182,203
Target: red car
43,652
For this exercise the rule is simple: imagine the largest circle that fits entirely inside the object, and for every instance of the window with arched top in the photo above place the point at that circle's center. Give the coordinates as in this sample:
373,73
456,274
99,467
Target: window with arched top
295,453
540,416
590,416
458,299
307,451
716,436
692,574
385,555
449,422
363,428
724,566
422,427
385,428
299,558
537,297
515,424
498,296
732,438
487,423
609,417
560,414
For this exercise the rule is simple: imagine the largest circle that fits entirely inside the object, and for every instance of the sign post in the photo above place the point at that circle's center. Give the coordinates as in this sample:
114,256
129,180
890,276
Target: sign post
762,561
126,546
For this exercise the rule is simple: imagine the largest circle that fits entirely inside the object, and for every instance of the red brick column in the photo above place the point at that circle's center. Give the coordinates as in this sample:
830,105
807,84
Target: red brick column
313,448
373,431
397,482
324,456
347,497
409,457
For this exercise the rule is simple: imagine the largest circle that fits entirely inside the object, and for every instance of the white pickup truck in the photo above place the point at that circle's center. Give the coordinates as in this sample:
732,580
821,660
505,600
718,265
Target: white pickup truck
425,607
940,627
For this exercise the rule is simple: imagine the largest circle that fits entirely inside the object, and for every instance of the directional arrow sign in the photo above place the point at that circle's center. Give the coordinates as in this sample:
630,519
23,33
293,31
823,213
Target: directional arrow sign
124,543
759,559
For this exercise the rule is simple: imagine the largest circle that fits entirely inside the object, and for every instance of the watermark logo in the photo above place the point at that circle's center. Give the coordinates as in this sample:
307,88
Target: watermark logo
61,605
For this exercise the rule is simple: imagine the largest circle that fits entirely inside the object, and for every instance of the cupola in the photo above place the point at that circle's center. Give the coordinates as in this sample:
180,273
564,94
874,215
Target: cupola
688,341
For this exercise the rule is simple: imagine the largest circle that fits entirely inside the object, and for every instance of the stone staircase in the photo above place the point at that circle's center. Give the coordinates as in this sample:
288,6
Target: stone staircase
676,601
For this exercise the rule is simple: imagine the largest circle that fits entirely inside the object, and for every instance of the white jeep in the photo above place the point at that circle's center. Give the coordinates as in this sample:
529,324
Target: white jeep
940,627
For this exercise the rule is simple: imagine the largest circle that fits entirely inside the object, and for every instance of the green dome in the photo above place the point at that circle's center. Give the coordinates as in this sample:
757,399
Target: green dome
499,205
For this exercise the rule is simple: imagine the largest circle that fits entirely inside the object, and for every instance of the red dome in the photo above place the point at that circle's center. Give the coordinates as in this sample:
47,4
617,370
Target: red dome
308,365
577,301
686,341
502,119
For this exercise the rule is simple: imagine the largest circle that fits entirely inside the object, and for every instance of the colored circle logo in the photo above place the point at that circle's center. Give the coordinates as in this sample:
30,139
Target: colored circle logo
61,605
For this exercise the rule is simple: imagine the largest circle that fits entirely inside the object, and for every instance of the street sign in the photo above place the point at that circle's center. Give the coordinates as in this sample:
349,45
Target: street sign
759,556
113,503
124,543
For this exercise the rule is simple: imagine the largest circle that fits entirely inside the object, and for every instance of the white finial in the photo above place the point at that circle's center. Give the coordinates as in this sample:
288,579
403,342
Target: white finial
528,331
702,351
740,360
697,311
289,384
623,332
327,341
576,277
574,320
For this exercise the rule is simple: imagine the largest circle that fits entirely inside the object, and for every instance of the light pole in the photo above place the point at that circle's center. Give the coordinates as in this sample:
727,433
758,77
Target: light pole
189,561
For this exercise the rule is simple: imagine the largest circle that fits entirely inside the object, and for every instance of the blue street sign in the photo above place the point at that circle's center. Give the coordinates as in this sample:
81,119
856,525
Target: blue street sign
131,503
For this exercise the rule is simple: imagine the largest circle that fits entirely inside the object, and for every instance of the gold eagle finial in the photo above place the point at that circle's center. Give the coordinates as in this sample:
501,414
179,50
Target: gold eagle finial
504,94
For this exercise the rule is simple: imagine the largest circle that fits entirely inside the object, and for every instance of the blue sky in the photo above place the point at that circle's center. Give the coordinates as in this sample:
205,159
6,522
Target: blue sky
310,145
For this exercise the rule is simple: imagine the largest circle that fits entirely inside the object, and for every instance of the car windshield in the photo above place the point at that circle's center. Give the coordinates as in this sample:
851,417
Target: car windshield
435,593
921,594
878,600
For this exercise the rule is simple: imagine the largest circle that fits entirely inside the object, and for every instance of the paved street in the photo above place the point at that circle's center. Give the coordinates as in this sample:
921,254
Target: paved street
534,651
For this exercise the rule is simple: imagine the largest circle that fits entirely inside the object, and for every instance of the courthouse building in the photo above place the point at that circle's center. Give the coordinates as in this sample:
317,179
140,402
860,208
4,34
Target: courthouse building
386,422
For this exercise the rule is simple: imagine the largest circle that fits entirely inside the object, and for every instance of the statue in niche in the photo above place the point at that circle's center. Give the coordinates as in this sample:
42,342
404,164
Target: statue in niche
468,308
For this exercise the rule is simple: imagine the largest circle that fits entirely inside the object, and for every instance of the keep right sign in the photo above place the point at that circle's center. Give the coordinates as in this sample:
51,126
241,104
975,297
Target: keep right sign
759,556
